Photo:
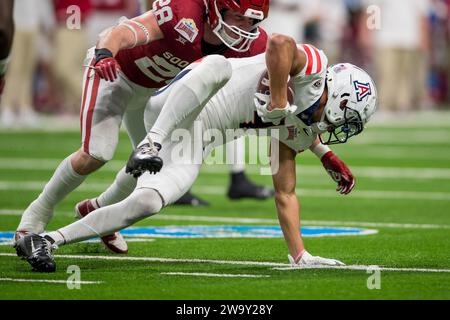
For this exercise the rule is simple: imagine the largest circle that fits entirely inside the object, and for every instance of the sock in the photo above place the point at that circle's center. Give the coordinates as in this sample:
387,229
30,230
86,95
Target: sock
122,187
40,211
140,204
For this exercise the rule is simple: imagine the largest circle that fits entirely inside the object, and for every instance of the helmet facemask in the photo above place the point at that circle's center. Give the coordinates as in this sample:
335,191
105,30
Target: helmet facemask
234,37
352,126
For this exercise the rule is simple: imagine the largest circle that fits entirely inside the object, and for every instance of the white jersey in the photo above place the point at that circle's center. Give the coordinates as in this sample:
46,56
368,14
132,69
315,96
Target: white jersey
233,107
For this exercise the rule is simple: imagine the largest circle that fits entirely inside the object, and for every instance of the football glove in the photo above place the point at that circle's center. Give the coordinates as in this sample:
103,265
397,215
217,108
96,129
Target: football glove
106,66
339,172
262,103
308,260
144,158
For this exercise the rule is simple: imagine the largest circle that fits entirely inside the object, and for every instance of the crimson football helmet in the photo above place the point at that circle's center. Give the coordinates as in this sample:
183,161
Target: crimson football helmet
234,37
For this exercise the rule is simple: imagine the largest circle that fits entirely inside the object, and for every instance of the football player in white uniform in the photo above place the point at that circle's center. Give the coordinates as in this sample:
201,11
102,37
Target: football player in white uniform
330,104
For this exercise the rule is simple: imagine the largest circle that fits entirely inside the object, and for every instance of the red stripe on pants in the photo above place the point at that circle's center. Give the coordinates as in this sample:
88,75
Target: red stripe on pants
90,113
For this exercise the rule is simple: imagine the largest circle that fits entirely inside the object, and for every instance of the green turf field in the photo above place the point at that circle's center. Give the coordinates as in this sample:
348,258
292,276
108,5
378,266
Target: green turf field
403,192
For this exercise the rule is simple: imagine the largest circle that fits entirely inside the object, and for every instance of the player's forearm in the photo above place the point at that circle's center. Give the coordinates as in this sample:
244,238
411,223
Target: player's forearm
279,59
319,149
131,33
288,209
115,39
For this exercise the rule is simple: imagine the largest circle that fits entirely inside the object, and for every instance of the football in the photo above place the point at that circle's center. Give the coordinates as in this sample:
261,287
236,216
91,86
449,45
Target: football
264,87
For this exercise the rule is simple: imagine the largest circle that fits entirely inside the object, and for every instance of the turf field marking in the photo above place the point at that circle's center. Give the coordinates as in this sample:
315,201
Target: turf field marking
304,222
168,260
306,170
172,217
279,266
49,281
221,275
218,190
364,268
9,241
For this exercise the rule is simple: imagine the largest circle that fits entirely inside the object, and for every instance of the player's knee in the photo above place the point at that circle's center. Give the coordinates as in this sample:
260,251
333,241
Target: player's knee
84,163
220,68
145,203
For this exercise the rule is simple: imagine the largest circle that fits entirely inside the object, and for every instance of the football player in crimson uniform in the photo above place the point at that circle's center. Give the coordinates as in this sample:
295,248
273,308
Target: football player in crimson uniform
331,104
130,62
6,37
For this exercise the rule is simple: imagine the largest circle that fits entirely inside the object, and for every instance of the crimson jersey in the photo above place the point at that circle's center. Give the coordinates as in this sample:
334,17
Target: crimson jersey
109,5
182,23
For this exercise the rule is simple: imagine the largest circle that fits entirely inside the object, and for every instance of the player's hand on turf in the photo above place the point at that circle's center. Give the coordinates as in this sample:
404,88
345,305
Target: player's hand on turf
308,260
267,114
144,158
106,66
339,172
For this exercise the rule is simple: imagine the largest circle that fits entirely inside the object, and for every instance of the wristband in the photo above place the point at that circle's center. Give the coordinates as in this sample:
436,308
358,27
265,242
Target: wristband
320,150
102,54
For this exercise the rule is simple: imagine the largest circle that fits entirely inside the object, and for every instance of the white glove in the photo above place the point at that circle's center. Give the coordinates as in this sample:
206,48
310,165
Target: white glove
262,103
309,260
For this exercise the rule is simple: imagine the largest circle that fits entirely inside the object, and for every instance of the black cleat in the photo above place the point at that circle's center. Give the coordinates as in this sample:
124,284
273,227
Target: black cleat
37,250
144,158
241,187
191,200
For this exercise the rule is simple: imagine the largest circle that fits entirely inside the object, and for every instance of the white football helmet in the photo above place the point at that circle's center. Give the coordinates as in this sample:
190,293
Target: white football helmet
352,100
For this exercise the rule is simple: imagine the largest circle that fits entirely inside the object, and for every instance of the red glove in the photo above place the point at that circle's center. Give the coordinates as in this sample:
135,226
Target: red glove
339,172
105,65
107,69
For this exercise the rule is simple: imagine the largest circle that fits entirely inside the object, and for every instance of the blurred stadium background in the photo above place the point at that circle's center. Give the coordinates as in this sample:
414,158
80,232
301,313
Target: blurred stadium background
409,55
402,162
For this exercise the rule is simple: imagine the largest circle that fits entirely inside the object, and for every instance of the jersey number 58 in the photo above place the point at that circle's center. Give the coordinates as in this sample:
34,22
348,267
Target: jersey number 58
162,11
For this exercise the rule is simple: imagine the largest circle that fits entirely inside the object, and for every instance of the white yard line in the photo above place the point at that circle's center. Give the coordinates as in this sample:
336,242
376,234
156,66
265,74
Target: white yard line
365,268
280,266
49,281
305,170
220,190
219,275
173,217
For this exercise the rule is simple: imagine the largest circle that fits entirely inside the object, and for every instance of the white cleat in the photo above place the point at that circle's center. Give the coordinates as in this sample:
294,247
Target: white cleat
308,260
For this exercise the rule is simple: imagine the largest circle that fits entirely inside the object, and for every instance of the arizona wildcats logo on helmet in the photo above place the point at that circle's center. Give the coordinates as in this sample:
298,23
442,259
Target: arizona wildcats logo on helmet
363,90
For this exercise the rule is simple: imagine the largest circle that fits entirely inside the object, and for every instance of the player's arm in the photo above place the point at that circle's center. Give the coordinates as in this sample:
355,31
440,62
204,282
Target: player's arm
127,34
335,167
284,181
130,33
283,59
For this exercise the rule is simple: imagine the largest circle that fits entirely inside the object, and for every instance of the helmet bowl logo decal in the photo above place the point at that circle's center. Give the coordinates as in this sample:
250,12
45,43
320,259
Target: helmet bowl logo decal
224,231
363,90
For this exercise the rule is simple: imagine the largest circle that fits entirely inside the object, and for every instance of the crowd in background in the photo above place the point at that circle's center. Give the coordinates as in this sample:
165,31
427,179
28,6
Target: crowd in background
405,44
